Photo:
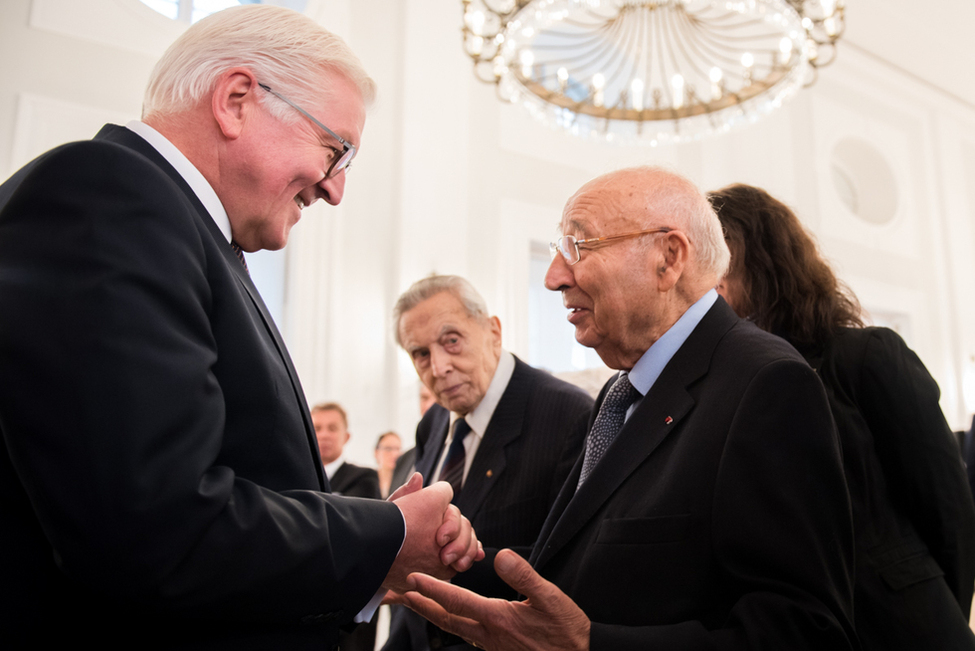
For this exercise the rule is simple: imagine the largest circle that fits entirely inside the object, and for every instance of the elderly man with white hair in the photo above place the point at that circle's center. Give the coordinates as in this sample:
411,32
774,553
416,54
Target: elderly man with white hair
161,482
709,509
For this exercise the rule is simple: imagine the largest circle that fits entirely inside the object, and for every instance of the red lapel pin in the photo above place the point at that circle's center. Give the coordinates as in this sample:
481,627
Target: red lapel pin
668,420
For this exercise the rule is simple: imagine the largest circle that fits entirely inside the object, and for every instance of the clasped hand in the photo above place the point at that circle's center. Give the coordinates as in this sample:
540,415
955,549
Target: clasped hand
439,540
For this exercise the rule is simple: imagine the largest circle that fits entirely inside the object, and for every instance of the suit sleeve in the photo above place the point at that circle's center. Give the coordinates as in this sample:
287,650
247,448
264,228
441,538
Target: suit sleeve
781,530
899,400
114,420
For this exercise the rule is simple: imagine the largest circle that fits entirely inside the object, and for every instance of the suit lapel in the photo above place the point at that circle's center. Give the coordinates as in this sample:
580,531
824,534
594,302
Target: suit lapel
427,458
658,416
504,428
340,479
130,139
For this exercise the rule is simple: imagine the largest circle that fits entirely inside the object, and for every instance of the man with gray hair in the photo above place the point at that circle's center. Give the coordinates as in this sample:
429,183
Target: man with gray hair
504,434
709,509
185,506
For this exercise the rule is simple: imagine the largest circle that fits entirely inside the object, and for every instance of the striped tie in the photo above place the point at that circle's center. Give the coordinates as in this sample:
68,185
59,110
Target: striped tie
240,255
453,466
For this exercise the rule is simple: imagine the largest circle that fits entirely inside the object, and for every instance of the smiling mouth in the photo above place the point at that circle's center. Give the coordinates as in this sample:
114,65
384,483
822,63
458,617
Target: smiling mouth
300,201
575,313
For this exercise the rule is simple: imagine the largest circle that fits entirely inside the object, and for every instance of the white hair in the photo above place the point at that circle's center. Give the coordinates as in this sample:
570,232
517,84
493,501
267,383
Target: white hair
283,48
681,198
430,286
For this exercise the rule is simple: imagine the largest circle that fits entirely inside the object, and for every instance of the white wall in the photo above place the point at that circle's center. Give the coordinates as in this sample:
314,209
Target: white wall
452,181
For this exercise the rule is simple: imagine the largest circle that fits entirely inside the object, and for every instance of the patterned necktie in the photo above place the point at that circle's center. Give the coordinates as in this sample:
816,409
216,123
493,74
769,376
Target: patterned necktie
453,466
240,255
609,422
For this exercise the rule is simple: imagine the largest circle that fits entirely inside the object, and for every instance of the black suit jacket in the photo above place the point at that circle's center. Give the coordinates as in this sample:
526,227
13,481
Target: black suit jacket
351,480
915,520
531,443
355,481
160,483
719,518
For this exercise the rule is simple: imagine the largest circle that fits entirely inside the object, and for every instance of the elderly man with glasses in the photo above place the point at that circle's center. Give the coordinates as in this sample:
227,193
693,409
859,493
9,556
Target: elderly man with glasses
709,509
162,486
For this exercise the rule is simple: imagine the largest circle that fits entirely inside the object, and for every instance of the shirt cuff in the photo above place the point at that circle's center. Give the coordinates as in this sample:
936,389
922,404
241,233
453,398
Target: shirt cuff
370,608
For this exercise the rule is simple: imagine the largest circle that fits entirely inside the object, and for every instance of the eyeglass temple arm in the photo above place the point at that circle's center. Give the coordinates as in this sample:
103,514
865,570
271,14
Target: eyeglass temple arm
308,115
593,240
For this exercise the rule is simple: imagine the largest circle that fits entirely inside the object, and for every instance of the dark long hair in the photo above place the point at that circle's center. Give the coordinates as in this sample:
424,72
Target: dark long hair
786,287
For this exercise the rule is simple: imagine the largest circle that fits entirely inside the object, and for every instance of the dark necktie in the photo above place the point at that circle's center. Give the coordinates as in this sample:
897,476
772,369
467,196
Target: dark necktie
240,255
453,466
609,422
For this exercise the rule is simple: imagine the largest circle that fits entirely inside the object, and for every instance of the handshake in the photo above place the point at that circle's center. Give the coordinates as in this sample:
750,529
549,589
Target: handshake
439,540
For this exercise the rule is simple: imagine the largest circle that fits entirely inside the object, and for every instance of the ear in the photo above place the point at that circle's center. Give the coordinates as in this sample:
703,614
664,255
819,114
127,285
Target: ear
234,97
675,251
347,437
495,325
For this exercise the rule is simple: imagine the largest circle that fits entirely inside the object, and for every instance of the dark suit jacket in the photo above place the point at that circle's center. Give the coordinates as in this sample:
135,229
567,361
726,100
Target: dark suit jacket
355,481
719,517
915,521
968,447
531,443
351,480
404,469
160,483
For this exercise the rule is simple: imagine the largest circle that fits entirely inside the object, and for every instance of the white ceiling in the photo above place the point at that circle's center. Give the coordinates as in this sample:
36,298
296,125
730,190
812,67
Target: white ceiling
931,39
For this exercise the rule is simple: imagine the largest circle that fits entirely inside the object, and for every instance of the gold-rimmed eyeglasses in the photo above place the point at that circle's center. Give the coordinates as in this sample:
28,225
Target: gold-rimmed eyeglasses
341,160
569,246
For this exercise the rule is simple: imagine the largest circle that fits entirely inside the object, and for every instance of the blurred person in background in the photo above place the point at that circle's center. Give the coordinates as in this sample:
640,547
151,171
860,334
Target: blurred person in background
913,513
388,449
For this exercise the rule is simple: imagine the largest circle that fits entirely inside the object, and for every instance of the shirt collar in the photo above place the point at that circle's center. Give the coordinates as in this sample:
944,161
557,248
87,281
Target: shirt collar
197,182
480,416
330,468
649,367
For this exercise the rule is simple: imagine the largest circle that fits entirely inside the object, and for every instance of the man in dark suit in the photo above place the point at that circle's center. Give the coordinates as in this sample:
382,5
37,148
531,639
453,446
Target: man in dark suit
523,428
332,432
709,510
185,506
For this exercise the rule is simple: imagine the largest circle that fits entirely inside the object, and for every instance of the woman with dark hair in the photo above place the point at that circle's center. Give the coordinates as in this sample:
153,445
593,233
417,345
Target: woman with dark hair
912,508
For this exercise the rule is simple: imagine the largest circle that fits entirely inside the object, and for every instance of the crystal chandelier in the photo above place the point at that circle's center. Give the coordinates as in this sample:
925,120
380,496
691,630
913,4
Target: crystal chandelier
650,71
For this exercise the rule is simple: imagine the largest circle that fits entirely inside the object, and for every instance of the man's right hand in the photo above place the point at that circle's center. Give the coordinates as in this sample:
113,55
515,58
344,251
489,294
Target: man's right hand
439,540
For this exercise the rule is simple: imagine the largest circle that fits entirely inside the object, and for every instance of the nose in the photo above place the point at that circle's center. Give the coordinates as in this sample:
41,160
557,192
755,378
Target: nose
559,275
439,362
332,189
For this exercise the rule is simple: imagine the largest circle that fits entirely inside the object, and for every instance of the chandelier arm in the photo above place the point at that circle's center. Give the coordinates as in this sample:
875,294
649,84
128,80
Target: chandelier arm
618,30
693,52
604,50
712,45
668,36
819,62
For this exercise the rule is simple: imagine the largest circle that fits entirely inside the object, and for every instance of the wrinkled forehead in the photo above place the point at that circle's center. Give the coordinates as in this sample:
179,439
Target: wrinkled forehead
597,211
436,316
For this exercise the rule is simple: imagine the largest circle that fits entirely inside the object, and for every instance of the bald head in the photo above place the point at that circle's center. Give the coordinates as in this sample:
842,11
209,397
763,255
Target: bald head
649,197
649,245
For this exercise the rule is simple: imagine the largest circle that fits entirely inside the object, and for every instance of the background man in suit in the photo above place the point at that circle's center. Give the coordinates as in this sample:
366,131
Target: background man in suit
709,509
405,462
186,506
521,429
332,431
